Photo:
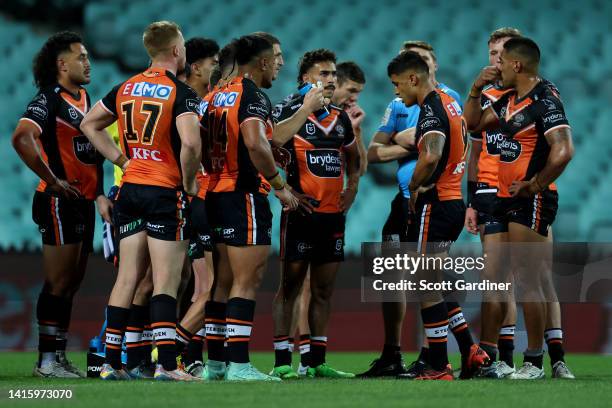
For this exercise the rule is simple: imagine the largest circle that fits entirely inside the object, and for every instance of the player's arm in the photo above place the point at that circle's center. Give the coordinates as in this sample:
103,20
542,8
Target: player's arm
260,152
363,153
353,173
432,146
191,150
94,126
471,216
382,150
478,119
285,129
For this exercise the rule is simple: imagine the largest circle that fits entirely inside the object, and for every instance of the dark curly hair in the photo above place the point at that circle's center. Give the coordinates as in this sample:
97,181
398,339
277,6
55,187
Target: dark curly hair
248,47
200,48
312,57
44,66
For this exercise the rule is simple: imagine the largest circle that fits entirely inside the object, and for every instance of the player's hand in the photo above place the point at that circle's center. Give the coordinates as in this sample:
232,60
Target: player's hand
193,188
414,195
287,199
487,75
356,115
282,156
405,138
307,204
105,208
347,197
63,189
523,188
471,221
313,100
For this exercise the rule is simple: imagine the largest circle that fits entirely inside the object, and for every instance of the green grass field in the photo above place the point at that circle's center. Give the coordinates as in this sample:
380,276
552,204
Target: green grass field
593,388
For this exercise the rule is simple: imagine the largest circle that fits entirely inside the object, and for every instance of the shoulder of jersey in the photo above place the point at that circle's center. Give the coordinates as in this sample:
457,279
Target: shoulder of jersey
493,93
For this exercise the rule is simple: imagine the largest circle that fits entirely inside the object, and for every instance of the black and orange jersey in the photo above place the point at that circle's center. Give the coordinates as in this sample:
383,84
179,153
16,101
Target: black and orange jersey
525,123
146,107
317,160
231,105
58,113
488,161
442,114
202,175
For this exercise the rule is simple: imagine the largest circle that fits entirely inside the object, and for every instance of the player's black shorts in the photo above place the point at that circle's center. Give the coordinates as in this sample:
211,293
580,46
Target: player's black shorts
62,221
316,237
201,239
436,225
396,227
487,204
238,218
162,212
537,212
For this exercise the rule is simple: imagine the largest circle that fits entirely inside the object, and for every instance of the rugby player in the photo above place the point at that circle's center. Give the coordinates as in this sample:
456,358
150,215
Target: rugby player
158,122
351,81
394,140
536,148
237,122
201,58
322,145
435,191
49,142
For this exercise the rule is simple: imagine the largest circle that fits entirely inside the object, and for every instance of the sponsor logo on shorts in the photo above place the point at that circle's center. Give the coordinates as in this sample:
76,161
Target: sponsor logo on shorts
79,229
302,247
339,244
125,228
148,90
325,163
228,233
158,228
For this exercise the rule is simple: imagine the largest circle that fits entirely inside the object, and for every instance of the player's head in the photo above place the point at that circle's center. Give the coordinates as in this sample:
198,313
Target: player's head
255,56
351,81
520,56
319,65
201,57
63,55
276,48
426,51
496,42
408,72
226,70
164,41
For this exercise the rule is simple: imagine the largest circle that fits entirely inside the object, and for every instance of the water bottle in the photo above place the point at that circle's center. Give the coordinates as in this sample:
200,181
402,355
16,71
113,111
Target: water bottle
319,114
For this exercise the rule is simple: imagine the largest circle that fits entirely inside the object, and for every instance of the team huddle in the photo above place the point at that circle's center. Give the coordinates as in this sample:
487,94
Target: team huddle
198,148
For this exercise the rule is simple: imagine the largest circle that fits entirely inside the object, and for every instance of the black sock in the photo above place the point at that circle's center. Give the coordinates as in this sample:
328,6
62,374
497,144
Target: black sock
435,319
48,311
459,327
554,343
216,328
424,355
390,352
240,314
163,322
318,349
133,335
490,349
305,350
506,344
534,357
64,324
282,351
195,347
183,337
116,322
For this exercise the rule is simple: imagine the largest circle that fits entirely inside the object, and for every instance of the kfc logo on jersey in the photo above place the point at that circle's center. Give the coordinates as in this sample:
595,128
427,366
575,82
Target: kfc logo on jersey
140,153
225,99
148,90
325,163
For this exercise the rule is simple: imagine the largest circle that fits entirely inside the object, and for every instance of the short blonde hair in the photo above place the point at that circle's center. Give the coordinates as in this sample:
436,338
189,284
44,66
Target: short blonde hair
158,36
407,45
504,32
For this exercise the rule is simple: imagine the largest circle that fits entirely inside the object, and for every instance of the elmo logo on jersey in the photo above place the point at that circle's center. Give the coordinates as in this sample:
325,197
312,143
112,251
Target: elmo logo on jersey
84,150
148,90
324,163
509,150
225,99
